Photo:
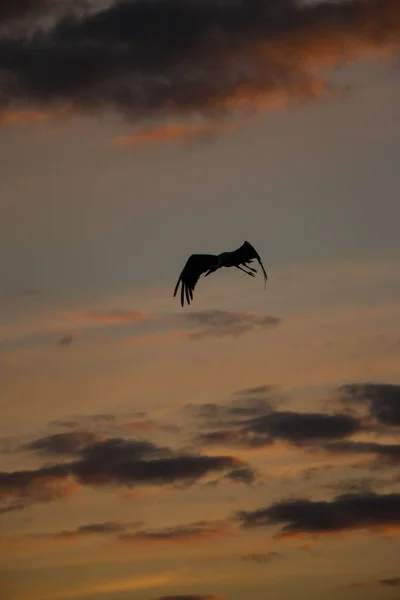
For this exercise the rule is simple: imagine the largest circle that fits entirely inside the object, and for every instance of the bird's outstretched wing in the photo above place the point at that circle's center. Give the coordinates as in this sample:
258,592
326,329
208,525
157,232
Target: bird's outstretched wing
194,267
247,253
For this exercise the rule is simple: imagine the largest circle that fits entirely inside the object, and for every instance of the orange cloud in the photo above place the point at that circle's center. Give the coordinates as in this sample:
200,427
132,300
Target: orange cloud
185,534
179,132
12,118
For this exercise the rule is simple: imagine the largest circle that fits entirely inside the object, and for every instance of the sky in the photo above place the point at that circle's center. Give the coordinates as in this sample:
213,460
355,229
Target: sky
245,446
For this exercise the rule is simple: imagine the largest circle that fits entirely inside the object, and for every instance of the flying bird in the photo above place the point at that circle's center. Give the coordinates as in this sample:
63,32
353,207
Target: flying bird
197,264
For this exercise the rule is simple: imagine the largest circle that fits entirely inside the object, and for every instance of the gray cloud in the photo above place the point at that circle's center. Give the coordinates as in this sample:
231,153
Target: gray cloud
144,58
59,444
183,534
385,453
106,528
344,513
221,323
31,486
110,462
258,424
381,400
11,10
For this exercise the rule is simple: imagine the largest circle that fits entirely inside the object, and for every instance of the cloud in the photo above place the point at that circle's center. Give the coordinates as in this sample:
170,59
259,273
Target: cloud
391,582
347,512
381,400
17,9
147,426
169,58
68,338
219,323
185,534
261,558
256,391
178,133
130,472
300,428
255,423
33,486
385,453
110,462
60,444
106,528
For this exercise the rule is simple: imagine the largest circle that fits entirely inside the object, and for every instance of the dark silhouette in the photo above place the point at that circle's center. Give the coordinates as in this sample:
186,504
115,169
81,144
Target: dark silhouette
197,264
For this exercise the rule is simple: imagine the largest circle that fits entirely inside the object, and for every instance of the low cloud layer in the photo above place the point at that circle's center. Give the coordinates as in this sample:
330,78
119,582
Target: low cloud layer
143,59
109,462
347,512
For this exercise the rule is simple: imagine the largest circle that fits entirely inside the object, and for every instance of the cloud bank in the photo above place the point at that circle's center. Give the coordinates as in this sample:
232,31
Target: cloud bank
154,58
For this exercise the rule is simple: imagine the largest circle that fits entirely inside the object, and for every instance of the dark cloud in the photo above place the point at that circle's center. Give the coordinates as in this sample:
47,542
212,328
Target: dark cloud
271,425
183,534
67,339
221,323
386,453
110,462
344,513
233,413
144,58
255,391
11,10
300,428
381,400
36,485
114,450
245,475
261,558
391,582
161,471
59,444
93,529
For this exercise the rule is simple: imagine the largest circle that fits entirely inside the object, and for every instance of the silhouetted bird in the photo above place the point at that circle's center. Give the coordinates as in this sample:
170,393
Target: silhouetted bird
197,264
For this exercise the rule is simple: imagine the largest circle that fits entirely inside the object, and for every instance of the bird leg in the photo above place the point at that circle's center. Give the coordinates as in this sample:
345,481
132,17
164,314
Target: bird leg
251,268
244,271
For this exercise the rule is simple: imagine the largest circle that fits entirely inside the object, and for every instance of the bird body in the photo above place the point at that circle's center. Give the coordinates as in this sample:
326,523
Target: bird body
197,264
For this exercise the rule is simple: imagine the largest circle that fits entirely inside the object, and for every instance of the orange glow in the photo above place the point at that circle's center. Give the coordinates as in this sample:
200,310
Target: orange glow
179,132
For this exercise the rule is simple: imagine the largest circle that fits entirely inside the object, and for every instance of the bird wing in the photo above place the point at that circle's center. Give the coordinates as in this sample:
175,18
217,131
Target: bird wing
246,253
194,267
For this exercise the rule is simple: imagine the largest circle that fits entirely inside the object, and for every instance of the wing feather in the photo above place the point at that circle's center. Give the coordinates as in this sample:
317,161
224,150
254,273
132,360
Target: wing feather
245,254
195,266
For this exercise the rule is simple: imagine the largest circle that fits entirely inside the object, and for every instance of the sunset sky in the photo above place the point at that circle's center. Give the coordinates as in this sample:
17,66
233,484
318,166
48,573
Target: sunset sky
246,446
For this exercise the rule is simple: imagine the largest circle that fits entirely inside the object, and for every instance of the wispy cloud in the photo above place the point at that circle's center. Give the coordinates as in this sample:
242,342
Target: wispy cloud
390,582
179,133
220,323
193,533
261,558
